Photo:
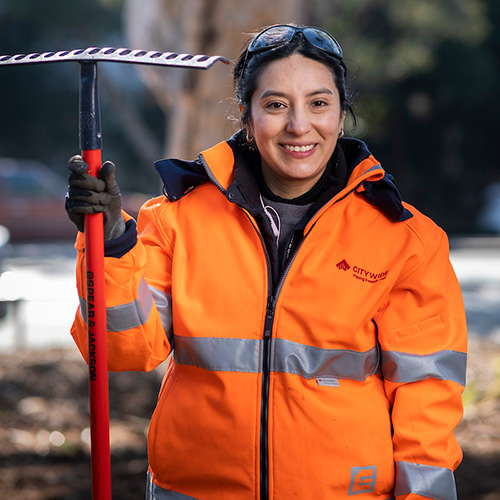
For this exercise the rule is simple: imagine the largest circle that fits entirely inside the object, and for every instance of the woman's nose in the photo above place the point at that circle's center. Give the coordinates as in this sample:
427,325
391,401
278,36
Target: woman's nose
298,122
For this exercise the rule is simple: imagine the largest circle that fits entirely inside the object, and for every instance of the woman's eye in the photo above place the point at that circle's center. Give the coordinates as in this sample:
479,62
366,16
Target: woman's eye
319,104
275,105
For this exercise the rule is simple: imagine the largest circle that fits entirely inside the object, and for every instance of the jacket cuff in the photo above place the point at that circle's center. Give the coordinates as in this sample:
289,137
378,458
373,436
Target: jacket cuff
120,246
418,481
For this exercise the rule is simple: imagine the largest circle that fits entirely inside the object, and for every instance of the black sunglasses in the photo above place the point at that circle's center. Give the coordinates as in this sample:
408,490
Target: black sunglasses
281,34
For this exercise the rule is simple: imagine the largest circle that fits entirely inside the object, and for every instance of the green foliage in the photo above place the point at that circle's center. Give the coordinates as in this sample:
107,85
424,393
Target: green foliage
40,26
428,78
427,73
396,39
483,380
39,103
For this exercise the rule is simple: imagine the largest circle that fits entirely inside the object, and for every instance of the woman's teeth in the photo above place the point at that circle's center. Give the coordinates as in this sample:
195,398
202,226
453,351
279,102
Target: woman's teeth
299,149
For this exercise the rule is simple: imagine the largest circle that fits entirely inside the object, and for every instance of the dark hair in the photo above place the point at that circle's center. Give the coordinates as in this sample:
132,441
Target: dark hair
248,69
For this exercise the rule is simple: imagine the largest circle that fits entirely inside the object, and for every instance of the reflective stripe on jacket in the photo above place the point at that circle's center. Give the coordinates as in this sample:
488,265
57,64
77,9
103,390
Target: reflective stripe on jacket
344,381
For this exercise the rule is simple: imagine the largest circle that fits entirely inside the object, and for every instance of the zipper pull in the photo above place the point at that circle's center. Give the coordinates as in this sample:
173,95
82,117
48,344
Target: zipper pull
271,302
291,245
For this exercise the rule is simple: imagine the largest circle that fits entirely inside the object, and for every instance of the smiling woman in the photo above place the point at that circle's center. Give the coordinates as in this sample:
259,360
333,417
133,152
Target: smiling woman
295,121
316,325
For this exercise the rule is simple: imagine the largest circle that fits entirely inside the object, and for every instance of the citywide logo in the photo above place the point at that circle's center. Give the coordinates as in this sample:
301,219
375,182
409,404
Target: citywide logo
362,274
343,265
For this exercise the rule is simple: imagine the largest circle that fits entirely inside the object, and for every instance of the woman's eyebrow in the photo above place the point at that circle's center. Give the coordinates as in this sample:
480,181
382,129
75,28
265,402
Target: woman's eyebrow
273,93
278,93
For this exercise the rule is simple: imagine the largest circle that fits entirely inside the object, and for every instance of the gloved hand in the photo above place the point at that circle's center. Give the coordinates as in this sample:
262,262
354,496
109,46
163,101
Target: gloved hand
89,195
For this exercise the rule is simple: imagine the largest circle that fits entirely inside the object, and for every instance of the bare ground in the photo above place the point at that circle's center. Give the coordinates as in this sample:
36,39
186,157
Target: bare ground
44,451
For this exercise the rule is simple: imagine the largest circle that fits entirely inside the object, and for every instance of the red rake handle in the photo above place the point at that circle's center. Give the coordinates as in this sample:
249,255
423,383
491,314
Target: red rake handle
90,144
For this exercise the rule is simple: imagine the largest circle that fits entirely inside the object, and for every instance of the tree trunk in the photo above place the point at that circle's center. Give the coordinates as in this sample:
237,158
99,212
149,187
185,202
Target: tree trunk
198,104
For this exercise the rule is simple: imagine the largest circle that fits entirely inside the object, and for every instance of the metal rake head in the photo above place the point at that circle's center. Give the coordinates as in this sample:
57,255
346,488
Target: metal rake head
123,55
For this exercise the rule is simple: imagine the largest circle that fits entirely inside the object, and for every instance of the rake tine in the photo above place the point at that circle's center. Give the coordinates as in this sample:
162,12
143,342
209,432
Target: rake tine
110,54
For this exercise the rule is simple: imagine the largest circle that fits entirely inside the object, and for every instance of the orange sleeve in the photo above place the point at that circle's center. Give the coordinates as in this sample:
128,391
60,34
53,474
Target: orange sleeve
423,340
138,301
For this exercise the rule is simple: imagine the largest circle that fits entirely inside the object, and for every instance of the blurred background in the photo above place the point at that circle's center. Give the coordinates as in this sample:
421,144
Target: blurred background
426,76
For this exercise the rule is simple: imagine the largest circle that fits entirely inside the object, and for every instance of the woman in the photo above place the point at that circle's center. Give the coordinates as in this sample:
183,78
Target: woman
316,324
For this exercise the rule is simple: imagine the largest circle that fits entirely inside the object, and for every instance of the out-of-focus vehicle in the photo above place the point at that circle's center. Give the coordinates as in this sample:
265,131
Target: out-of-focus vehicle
32,202
4,240
489,216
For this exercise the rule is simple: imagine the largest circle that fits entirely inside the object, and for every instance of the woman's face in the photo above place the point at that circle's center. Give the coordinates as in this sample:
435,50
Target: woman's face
295,120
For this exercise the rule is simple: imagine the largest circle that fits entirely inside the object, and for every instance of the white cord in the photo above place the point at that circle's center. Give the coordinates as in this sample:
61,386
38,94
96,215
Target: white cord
275,228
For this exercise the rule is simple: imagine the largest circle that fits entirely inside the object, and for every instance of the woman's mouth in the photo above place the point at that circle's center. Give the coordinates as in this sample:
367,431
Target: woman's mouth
299,149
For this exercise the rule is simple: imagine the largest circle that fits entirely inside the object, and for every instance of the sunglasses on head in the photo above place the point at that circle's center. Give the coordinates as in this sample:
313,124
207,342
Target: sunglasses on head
281,34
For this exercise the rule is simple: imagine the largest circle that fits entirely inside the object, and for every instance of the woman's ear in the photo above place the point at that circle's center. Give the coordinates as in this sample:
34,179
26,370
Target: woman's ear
341,125
246,123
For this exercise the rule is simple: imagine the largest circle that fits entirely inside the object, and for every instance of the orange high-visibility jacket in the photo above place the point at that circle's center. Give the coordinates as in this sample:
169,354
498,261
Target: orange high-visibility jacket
343,381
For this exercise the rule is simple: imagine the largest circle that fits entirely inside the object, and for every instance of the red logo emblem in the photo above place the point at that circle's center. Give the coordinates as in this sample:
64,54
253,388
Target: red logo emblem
343,265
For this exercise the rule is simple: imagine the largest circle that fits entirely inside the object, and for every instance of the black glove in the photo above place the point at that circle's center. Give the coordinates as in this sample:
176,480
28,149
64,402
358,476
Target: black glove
90,195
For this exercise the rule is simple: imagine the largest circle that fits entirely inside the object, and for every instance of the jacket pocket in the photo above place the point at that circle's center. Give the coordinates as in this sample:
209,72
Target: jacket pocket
157,417
426,326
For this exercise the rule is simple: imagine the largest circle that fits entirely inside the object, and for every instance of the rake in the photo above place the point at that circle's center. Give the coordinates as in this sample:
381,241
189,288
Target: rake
91,145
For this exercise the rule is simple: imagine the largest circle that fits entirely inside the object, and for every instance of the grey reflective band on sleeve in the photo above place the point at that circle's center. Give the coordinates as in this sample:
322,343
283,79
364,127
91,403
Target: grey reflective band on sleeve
425,480
163,303
126,316
310,362
244,355
403,367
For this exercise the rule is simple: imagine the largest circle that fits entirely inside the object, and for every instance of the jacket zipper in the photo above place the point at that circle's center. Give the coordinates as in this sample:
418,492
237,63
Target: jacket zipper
264,412
266,375
266,351
268,333
266,370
